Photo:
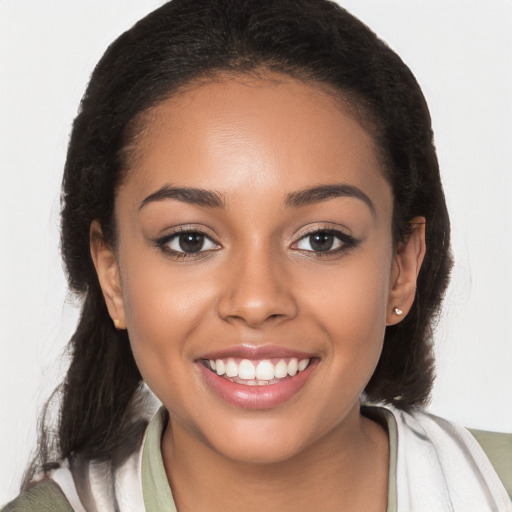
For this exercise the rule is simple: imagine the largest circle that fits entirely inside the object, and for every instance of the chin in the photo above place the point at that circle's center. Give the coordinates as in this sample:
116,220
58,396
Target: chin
261,453
260,442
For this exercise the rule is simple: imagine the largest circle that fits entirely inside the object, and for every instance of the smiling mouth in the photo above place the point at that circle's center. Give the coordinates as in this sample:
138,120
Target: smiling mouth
257,378
262,372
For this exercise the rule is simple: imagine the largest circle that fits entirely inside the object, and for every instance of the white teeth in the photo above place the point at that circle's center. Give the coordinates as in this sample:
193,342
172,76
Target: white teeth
262,373
220,367
281,369
246,370
303,364
292,367
265,370
231,368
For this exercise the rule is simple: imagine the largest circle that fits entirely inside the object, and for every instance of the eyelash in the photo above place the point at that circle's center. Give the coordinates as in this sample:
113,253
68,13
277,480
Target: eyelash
163,243
346,241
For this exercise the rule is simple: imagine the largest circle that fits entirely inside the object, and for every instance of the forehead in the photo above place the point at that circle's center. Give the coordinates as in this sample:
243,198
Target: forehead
269,134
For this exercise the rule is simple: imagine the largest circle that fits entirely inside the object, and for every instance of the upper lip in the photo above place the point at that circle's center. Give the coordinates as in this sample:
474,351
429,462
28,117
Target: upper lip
256,352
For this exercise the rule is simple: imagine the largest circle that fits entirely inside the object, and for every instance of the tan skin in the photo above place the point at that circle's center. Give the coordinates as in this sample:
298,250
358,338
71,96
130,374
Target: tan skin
257,281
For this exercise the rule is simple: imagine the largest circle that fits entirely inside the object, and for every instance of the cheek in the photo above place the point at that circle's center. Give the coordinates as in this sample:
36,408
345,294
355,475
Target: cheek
162,307
158,294
351,306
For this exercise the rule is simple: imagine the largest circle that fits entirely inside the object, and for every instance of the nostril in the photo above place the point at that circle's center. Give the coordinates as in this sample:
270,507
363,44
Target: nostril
276,316
256,317
253,295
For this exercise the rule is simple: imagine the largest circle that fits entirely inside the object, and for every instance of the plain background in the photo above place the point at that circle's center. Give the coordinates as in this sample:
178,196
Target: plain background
460,52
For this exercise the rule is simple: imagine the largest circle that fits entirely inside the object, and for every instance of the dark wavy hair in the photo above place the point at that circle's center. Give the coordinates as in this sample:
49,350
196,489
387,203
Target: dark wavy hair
315,41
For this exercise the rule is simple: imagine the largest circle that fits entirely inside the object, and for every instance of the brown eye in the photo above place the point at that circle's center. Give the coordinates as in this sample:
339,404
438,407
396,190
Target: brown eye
191,242
325,241
187,242
321,241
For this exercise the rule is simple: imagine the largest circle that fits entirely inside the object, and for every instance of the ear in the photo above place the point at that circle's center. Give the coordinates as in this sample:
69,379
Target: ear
107,270
406,267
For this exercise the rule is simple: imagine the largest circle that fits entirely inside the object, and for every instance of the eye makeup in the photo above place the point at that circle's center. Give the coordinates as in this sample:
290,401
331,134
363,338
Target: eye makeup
325,241
186,242
192,242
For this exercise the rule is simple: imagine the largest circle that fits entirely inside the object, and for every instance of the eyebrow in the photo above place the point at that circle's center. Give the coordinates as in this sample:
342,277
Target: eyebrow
321,193
197,196
305,197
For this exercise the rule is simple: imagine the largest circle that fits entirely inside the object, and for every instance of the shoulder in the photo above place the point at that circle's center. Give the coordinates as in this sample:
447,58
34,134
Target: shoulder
494,447
498,448
81,484
44,496
440,462
481,457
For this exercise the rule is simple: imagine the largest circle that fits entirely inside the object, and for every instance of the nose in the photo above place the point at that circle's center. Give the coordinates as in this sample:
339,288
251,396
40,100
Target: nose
257,292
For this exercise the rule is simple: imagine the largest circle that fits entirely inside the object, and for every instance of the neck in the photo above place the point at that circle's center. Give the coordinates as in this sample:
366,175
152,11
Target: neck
347,467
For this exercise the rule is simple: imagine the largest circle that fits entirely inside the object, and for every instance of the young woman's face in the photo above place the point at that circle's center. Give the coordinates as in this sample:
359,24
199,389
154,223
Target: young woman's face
254,231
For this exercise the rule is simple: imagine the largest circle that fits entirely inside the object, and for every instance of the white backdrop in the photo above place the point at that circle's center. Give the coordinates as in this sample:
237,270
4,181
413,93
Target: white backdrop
461,53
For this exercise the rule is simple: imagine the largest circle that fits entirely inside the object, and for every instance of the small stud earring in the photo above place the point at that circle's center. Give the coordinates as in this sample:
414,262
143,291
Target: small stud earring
398,311
116,323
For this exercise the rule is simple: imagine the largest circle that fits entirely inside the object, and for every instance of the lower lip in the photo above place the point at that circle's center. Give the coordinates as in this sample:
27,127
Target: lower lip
257,397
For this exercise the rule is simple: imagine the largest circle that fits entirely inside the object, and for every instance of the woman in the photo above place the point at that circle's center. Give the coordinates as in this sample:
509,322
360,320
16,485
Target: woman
254,216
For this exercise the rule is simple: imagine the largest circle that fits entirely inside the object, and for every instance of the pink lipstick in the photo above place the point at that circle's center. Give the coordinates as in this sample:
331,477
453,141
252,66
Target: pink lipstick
256,377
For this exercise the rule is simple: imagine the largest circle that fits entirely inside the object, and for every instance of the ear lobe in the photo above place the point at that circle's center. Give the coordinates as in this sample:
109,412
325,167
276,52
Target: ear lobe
406,267
107,270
